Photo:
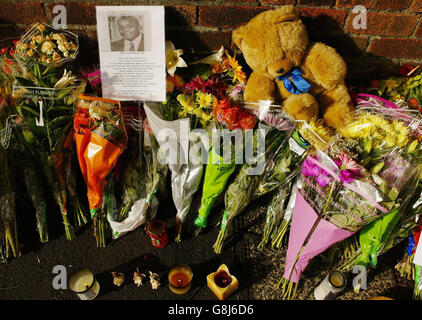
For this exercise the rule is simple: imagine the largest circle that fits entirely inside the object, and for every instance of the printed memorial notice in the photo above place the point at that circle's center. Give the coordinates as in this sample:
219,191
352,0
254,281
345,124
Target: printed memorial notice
132,52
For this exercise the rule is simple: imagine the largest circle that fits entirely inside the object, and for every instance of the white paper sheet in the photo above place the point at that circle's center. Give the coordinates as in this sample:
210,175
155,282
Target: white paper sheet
131,42
418,255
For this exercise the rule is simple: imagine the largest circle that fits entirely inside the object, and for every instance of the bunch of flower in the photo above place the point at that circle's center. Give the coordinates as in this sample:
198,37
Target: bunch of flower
45,93
386,142
47,117
98,123
339,197
402,90
233,117
44,45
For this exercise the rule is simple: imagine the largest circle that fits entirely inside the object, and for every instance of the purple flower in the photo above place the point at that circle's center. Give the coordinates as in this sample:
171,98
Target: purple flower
349,169
395,172
321,176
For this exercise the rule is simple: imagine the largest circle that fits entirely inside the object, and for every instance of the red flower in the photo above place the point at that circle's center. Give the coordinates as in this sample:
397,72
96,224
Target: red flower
220,106
230,115
405,69
12,52
8,61
7,69
375,84
247,120
4,50
413,103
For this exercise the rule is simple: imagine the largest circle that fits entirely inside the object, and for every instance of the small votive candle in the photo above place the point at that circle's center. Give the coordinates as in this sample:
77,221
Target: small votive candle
333,283
84,284
180,279
157,233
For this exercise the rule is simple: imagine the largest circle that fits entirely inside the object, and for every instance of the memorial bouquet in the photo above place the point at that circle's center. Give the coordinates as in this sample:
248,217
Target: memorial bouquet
339,197
100,136
223,81
386,140
45,94
140,180
279,161
9,242
280,210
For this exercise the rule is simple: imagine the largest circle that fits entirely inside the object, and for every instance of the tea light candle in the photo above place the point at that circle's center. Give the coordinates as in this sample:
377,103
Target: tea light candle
84,284
180,279
333,283
222,283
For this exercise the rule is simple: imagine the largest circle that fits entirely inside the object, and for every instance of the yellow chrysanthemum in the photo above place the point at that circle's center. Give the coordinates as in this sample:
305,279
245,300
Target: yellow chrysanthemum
316,133
205,100
401,132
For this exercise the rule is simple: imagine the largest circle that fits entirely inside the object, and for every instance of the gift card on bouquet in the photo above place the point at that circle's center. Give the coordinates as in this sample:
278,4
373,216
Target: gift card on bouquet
132,52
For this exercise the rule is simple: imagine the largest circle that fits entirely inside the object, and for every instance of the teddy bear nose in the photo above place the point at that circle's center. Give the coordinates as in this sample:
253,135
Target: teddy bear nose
281,70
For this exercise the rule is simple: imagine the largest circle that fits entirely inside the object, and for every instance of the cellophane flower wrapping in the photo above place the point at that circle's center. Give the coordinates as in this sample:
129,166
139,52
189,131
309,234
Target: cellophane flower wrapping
45,94
279,166
386,140
141,180
9,241
339,197
186,175
101,138
44,45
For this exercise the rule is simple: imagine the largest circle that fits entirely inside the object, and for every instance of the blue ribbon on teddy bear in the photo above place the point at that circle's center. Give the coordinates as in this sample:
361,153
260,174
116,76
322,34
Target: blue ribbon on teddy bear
299,84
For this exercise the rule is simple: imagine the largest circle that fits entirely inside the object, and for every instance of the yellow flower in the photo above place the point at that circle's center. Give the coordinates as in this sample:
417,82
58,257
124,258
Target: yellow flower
390,84
206,116
48,47
316,133
41,27
239,75
39,39
98,109
204,100
187,102
402,133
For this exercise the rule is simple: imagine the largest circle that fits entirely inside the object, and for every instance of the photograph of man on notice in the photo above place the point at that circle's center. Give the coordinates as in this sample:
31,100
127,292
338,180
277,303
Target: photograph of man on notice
127,32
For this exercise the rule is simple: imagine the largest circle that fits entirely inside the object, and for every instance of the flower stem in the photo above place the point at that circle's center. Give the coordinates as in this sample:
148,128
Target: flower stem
281,232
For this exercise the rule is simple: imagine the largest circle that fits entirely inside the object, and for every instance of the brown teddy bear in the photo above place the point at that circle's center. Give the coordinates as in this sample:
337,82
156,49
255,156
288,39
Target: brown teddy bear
308,78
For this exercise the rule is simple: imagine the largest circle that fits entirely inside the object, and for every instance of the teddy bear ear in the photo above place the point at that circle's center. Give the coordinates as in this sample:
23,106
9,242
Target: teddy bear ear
285,13
238,35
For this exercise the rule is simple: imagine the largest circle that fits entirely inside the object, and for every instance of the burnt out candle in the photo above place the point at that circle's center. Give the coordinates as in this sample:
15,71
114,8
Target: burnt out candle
334,283
84,284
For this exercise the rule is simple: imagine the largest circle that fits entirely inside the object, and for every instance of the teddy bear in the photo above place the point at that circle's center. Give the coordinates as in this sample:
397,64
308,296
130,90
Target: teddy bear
307,78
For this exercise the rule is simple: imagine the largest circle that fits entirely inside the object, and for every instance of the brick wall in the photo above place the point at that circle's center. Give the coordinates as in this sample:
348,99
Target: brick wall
393,35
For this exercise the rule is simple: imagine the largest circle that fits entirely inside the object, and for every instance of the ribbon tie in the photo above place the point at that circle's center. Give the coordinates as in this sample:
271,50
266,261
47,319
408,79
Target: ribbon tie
299,84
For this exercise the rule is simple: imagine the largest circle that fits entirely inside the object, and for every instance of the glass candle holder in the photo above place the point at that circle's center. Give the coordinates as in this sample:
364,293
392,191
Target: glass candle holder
180,279
333,283
84,284
157,233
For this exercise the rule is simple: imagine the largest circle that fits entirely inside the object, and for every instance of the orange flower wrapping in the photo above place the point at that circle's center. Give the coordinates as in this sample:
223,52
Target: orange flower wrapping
96,154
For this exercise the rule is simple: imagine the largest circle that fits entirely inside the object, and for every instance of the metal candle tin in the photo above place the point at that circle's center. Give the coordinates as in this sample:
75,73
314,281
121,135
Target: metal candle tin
333,283
84,284
158,234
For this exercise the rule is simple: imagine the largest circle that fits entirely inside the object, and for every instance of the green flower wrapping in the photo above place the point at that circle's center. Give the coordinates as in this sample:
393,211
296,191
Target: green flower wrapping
216,177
